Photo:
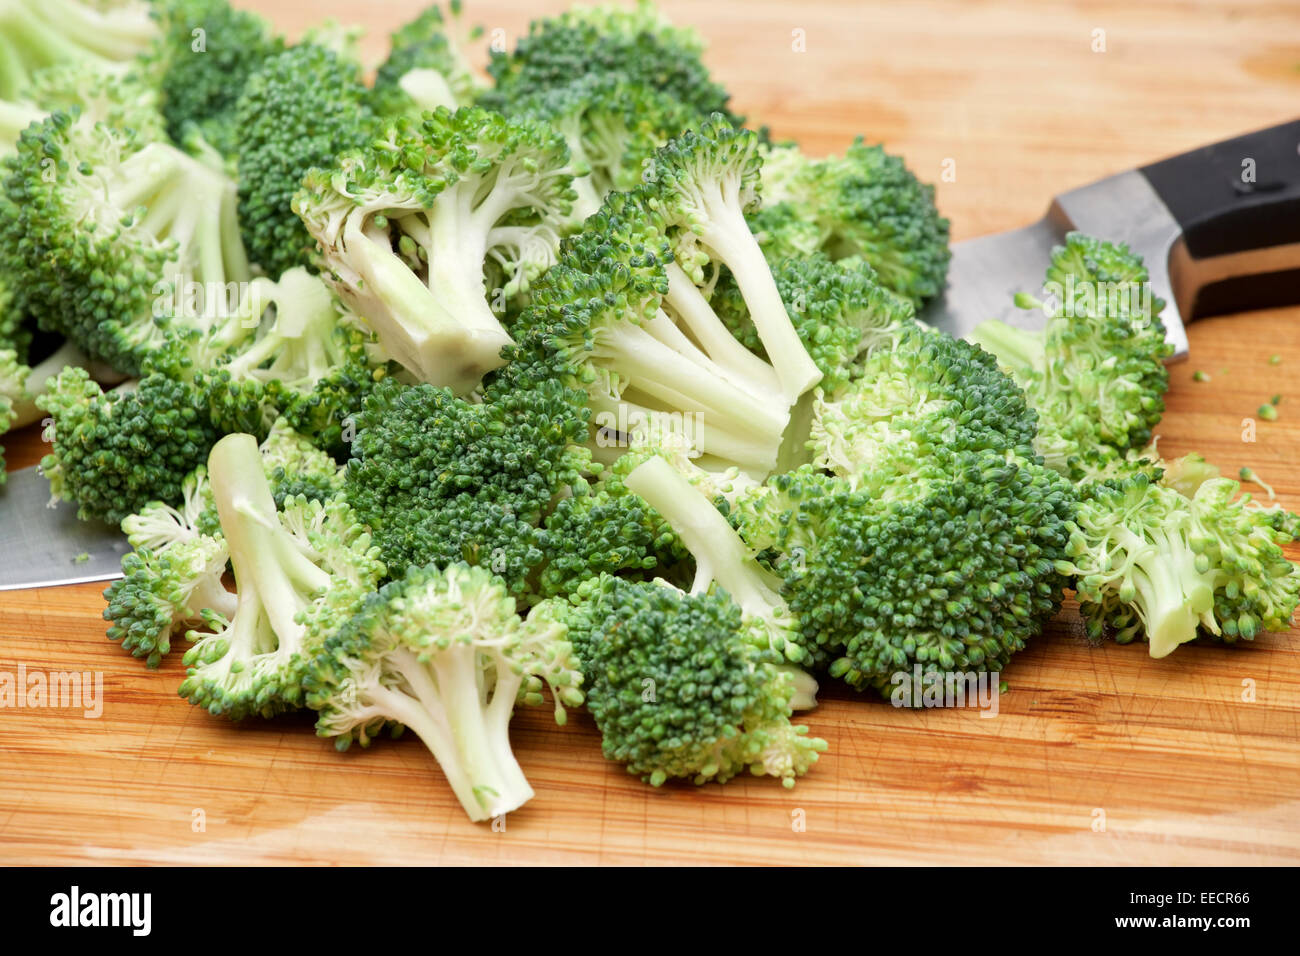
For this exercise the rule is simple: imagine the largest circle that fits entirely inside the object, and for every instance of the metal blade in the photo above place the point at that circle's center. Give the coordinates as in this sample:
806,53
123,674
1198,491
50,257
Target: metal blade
42,546
986,272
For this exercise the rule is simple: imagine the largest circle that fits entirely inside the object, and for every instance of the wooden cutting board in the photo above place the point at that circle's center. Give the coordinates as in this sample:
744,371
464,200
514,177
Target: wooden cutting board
1097,755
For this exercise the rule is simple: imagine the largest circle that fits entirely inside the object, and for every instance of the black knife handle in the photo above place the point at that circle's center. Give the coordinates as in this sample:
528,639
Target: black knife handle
1237,195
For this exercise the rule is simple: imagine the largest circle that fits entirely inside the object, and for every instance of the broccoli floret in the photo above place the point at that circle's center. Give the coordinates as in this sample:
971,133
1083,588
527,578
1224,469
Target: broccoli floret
297,112
122,101
920,391
1095,373
300,573
113,245
638,44
114,453
426,66
678,688
35,34
612,127
865,204
443,653
840,310
1151,562
441,480
410,227
204,54
289,351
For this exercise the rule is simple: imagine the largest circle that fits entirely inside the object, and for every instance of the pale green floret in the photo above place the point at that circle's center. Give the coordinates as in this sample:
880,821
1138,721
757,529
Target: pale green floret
444,653
299,574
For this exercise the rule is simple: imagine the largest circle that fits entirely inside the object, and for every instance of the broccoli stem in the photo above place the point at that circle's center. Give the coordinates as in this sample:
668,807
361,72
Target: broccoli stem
14,118
727,234
720,555
1172,596
25,411
1013,348
117,34
428,89
469,740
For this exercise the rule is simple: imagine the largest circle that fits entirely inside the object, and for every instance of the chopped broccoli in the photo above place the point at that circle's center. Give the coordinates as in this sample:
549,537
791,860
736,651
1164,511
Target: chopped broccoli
865,204
426,66
443,653
410,227
115,243
300,573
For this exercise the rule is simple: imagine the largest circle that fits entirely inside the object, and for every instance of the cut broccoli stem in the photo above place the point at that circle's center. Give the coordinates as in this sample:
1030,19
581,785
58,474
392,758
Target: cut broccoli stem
727,234
439,700
1172,595
413,324
25,411
427,89
686,300
720,555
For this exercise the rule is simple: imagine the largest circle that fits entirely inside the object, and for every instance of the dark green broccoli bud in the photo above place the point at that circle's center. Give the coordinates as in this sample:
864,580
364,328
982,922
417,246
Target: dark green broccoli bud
1151,562
203,56
300,574
297,112
840,310
102,34
108,239
114,453
678,690
442,652
442,480
407,228
426,66
865,204
612,127
920,392
638,44
1095,373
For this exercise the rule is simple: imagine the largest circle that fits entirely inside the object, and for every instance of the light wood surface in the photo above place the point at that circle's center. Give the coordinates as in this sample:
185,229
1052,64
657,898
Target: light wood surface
1182,768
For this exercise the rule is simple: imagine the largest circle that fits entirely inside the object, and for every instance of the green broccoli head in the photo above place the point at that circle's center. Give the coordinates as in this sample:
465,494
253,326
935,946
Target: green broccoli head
442,651
300,573
1151,562
865,204
1095,373
299,110
411,227
678,690
638,44
114,453
426,66
203,55
109,239
443,480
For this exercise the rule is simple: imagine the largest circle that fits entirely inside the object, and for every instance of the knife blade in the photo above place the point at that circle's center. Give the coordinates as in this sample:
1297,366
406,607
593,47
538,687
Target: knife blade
1217,227
41,546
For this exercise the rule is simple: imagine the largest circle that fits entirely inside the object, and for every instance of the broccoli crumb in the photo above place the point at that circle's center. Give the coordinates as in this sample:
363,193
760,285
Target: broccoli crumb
1268,413
81,558
1246,474
1199,376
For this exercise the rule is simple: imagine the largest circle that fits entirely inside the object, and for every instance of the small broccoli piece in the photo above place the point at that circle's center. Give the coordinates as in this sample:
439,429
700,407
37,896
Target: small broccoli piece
289,351
921,391
300,573
297,112
865,204
638,44
1149,561
35,34
678,688
1095,374
1199,376
612,127
108,239
409,227
114,453
1247,474
840,310
442,480
1268,412
443,652
1184,475
202,58
426,66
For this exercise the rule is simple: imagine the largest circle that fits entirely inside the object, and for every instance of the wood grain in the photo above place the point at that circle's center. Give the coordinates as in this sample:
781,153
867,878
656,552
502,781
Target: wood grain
1184,770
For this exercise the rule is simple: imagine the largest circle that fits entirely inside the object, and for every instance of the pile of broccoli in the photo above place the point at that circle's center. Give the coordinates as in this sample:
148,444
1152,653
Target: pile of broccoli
425,398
